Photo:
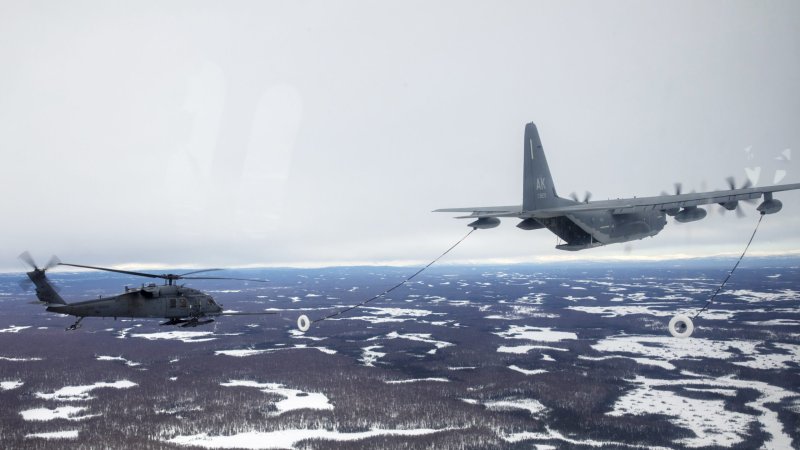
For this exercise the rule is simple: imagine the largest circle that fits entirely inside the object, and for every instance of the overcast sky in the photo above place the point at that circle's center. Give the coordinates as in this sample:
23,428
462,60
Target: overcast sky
324,132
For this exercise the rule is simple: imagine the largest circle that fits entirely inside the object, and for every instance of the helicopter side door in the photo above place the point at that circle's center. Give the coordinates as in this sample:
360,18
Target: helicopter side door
177,306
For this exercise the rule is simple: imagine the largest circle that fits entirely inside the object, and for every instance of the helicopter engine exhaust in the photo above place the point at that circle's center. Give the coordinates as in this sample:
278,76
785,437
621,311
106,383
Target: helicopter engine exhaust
681,326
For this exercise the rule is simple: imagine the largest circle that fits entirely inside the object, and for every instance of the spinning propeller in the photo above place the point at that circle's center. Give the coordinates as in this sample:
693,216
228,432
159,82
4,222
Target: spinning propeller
586,197
28,259
734,205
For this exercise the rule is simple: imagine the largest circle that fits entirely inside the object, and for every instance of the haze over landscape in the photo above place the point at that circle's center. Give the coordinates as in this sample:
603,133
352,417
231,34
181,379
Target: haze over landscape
315,133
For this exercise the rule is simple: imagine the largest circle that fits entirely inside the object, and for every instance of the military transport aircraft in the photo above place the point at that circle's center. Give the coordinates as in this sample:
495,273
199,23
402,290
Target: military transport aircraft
587,224
179,304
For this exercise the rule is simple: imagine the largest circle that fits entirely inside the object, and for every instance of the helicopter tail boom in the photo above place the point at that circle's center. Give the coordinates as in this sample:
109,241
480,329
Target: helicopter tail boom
44,290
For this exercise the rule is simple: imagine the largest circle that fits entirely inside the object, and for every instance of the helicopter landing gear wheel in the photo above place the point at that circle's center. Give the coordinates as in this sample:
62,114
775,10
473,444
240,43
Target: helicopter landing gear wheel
303,324
681,326
75,325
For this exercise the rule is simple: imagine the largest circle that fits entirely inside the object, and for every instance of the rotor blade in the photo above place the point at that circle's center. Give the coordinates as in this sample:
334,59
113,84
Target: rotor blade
28,259
223,278
54,261
245,313
197,271
138,274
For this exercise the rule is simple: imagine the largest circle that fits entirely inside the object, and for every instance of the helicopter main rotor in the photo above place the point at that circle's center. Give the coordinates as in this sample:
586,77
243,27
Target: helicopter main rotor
170,277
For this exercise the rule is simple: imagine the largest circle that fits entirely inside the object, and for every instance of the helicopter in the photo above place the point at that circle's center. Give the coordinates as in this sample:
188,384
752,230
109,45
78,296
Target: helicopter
180,305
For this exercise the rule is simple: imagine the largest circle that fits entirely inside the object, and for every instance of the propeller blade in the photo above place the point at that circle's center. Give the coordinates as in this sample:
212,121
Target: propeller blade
747,184
731,182
54,261
740,213
28,259
587,197
128,272
573,196
678,187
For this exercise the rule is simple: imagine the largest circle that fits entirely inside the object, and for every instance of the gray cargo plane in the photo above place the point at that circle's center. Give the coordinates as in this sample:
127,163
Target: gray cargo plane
589,224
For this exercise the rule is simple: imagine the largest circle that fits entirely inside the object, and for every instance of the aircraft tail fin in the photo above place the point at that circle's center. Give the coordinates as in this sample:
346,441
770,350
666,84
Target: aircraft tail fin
538,189
44,290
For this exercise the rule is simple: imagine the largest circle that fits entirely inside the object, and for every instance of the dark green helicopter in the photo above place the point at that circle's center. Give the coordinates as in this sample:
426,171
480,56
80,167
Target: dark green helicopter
178,304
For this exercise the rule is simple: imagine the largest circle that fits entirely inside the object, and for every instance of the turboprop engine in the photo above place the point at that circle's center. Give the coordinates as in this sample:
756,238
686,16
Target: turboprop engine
690,214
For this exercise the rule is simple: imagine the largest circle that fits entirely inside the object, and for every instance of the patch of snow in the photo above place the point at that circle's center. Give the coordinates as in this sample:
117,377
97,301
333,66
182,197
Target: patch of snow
66,434
78,393
522,349
183,336
419,337
283,439
536,334
118,358
293,398
62,412
7,358
417,380
13,329
528,404
9,385
526,371
369,356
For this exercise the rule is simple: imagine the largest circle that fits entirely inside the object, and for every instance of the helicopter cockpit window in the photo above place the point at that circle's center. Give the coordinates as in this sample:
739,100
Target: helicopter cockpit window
183,302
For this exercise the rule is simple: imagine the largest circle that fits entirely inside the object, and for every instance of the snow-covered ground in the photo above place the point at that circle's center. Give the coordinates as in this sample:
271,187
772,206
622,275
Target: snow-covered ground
14,329
183,336
369,355
666,348
241,353
526,371
61,412
78,393
118,358
283,439
710,421
66,434
9,385
417,380
538,334
293,398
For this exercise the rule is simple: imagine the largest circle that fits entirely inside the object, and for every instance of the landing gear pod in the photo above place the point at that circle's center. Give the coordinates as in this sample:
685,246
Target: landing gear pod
303,324
681,326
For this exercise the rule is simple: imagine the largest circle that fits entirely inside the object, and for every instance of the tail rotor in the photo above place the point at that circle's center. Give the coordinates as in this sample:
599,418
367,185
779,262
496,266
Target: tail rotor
45,291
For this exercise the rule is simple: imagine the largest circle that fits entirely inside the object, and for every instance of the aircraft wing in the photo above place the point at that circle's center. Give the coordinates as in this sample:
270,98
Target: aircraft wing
628,205
662,202
485,211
